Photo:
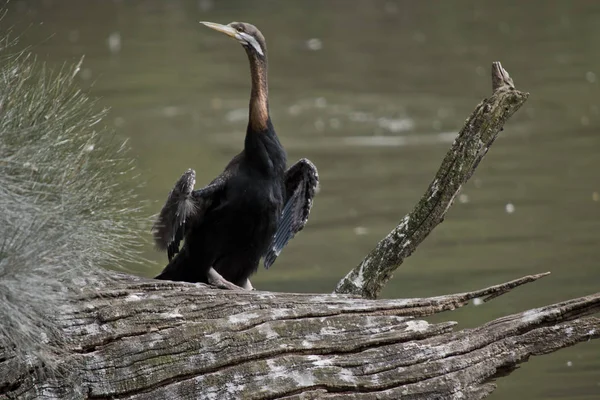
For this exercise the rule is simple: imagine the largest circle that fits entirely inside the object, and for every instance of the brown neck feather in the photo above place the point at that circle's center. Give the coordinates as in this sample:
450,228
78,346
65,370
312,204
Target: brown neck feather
259,97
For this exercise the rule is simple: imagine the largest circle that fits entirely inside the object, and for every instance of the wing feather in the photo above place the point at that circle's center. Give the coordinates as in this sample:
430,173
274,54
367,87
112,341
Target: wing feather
301,184
184,208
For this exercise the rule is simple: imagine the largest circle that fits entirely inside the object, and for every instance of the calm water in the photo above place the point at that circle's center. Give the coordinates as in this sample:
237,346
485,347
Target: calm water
372,91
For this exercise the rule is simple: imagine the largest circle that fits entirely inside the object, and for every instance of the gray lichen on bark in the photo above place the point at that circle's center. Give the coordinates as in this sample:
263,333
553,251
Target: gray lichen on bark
467,151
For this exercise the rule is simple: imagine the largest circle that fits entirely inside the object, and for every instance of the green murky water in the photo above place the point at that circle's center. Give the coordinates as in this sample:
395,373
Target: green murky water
372,92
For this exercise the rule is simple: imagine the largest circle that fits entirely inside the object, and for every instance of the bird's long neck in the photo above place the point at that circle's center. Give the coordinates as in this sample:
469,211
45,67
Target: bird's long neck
262,147
259,97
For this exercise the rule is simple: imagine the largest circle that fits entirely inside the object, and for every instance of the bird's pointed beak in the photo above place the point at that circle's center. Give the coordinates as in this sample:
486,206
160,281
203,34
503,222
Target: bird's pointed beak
226,29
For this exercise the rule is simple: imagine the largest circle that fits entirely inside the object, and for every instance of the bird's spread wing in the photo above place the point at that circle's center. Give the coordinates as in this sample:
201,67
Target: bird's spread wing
184,207
301,183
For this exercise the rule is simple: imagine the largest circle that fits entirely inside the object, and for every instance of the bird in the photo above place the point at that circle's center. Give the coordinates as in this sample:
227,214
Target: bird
248,212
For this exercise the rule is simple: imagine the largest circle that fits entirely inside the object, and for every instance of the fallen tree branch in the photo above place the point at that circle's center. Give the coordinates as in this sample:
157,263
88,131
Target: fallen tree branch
136,338
468,149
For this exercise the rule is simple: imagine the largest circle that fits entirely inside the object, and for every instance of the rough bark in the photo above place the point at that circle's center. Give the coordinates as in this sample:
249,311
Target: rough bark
136,338
468,149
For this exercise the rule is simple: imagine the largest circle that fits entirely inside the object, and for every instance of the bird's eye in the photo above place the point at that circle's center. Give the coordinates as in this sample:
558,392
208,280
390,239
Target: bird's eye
240,29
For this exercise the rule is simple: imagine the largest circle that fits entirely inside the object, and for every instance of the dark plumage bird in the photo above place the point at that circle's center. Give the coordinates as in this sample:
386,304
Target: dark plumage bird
249,211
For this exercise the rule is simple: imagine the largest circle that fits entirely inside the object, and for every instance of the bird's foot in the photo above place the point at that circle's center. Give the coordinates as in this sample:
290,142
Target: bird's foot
215,279
247,285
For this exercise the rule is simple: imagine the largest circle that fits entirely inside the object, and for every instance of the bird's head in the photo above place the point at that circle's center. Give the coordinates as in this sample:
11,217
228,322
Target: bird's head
247,34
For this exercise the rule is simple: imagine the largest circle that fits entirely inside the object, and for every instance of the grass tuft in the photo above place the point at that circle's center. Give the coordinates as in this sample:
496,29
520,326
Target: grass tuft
67,207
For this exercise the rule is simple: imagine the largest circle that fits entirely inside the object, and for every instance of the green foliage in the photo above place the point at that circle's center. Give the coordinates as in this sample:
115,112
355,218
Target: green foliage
66,207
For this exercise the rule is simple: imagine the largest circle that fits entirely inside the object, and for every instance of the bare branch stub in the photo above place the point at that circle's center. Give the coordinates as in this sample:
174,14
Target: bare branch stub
500,77
472,143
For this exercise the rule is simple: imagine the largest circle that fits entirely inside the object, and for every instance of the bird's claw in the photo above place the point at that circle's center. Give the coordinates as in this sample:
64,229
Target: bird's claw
247,285
215,279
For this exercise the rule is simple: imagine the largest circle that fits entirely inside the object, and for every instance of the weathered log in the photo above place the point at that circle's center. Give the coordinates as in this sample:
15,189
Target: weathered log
136,338
143,339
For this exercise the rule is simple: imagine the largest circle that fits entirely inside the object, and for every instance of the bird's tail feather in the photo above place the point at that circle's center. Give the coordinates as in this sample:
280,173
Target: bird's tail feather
186,268
175,270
